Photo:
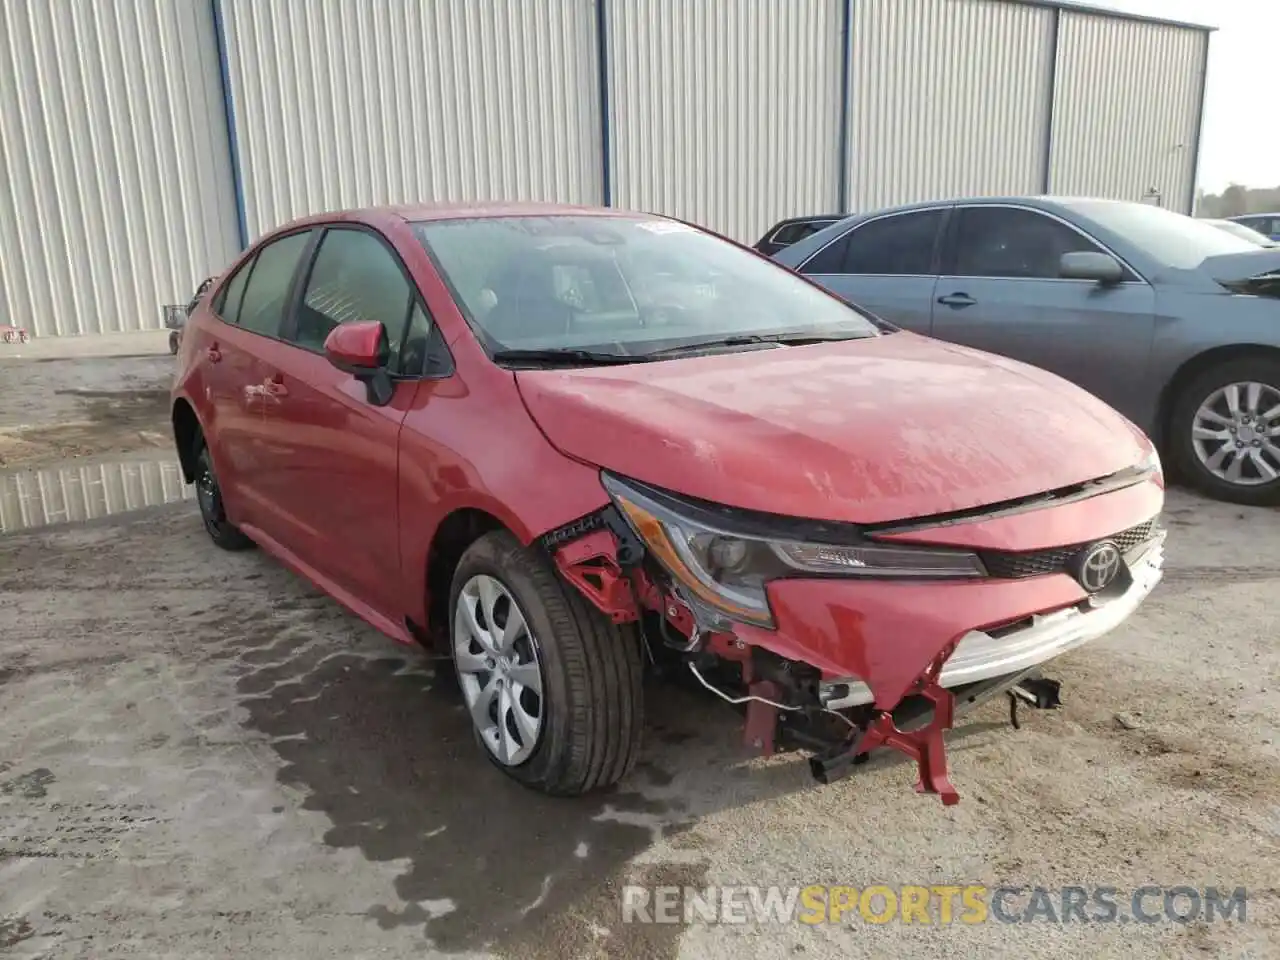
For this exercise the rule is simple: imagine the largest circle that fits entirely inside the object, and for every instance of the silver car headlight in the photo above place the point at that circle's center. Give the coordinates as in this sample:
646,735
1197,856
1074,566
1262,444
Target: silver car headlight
727,567
1150,464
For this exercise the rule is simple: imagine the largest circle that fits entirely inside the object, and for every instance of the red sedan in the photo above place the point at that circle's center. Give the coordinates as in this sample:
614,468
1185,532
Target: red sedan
567,444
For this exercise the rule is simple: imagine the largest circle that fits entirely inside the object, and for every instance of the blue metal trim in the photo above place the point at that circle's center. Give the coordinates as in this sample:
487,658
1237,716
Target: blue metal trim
846,74
229,111
606,149
1046,176
1195,146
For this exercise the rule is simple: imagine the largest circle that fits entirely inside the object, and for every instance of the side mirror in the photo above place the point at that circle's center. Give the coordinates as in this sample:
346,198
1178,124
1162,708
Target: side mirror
362,350
1090,265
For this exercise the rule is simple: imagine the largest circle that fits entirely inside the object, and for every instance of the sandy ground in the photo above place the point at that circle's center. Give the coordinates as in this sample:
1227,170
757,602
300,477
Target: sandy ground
201,757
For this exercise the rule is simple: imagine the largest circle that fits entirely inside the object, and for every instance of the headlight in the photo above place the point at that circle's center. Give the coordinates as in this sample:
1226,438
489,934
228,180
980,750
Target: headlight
1151,464
728,569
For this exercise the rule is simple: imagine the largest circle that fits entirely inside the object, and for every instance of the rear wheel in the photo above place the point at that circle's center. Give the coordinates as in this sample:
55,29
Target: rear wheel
212,512
552,686
1225,431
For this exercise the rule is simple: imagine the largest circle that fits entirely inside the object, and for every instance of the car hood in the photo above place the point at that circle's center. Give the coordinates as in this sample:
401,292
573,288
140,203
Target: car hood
864,431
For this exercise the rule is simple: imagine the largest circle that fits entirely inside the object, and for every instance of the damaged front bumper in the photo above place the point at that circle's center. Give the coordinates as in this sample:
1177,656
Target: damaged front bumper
849,664
984,655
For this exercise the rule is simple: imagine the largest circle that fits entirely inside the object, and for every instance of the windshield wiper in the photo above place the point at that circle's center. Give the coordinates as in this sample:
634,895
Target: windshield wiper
566,356
796,339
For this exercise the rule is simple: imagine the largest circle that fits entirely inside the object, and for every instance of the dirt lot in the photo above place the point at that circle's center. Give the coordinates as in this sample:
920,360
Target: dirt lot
200,757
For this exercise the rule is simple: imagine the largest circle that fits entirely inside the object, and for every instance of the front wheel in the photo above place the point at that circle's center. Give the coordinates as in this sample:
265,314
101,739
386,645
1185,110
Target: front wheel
1225,431
553,687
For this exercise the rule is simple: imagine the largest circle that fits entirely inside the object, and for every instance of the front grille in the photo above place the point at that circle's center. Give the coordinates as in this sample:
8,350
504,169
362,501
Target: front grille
1013,565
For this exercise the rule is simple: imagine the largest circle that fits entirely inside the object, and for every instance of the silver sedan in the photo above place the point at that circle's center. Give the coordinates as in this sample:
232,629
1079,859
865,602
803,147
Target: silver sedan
1171,320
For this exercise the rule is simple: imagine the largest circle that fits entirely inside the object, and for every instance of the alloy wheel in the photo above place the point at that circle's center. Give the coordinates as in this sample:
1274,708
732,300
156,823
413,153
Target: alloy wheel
1236,433
499,669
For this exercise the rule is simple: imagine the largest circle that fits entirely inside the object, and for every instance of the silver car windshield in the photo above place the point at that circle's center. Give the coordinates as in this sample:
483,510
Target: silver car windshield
622,285
1172,238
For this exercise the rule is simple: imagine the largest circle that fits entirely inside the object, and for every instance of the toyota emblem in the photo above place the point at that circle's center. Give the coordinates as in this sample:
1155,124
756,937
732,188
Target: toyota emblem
1098,566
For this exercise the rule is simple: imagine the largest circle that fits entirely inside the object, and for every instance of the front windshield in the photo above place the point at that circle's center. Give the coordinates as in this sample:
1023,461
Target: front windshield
619,285
1173,239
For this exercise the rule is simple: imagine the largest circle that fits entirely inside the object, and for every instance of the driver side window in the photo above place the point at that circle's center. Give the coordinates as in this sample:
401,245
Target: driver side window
355,277
1013,243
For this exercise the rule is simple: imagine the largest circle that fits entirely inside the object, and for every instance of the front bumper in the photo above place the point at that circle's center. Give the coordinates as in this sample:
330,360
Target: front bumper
982,655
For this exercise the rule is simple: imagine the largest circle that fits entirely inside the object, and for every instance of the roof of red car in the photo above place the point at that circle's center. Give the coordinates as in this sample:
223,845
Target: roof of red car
454,211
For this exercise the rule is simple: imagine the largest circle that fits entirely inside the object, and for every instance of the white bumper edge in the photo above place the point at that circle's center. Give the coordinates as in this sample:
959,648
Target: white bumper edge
980,656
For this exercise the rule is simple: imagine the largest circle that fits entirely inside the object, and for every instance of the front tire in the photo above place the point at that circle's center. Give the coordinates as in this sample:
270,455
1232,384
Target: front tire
209,497
1225,431
552,685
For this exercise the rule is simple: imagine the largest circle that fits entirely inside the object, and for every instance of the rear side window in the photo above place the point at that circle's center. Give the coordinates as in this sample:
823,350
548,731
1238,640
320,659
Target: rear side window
830,259
227,305
267,294
355,277
1011,243
899,245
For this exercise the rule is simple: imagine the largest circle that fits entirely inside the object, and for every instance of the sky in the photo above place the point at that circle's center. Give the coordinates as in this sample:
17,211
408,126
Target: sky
1240,141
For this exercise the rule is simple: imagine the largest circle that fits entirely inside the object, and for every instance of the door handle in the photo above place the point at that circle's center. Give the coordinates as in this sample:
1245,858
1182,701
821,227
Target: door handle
957,300
213,353
274,387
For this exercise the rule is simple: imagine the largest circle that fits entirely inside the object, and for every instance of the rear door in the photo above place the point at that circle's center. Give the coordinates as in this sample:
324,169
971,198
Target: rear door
1001,291
251,307
887,265
333,467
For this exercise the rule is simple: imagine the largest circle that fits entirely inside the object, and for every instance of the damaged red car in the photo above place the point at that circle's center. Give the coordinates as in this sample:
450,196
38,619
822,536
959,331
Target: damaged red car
566,446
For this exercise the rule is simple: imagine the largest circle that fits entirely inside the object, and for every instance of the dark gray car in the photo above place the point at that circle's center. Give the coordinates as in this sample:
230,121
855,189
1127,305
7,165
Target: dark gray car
1170,320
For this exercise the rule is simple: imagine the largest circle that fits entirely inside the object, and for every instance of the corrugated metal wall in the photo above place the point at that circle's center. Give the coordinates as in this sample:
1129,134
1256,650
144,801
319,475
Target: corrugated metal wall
344,103
115,183
948,98
73,494
725,112
1126,109
117,187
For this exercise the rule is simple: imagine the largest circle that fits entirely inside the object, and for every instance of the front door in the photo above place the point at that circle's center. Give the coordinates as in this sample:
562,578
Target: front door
333,469
1001,292
886,265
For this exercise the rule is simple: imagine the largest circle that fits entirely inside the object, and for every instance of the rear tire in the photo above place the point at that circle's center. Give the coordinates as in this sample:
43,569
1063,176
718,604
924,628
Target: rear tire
589,714
209,496
1219,442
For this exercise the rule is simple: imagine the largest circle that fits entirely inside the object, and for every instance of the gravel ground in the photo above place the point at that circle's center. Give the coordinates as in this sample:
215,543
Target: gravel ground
201,757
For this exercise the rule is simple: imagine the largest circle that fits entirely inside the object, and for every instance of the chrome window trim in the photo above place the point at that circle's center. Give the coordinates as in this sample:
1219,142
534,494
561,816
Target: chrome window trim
959,206
1141,281
862,223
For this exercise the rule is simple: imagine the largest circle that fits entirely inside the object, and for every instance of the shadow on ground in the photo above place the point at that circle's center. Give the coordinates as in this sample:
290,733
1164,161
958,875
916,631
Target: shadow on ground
369,739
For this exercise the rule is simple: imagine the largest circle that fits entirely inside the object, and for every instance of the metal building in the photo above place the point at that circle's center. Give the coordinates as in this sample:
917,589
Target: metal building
144,142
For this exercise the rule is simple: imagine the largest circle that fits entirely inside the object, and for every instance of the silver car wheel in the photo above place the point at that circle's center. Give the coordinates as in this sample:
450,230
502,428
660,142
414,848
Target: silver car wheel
499,669
1236,433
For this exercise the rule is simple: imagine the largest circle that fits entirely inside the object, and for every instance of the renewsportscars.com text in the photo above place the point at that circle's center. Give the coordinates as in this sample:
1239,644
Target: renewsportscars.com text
932,904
